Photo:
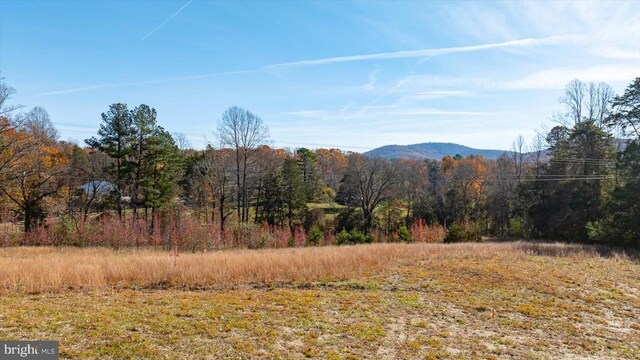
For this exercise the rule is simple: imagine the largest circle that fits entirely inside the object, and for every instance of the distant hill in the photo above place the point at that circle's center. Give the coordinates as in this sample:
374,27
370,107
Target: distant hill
431,150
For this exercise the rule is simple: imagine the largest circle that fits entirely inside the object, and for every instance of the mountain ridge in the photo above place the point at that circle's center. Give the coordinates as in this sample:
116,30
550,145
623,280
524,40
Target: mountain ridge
432,150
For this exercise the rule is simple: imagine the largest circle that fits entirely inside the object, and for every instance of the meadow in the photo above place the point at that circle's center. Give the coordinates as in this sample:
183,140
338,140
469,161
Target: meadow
518,300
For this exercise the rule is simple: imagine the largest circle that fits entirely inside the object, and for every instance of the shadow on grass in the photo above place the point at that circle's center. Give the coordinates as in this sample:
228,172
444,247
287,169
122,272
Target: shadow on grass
577,250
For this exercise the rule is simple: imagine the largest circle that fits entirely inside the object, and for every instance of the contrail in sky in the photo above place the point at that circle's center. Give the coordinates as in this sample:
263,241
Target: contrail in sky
427,52
551,40
166,21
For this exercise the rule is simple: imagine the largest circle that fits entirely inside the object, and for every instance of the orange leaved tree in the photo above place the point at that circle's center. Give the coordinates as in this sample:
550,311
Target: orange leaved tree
32,177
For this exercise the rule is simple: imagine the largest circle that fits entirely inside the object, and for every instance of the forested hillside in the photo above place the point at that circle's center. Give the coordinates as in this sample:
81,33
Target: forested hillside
432,150
135,184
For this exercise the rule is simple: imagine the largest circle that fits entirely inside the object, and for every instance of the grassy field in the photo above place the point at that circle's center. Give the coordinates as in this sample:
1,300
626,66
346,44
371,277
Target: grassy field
382,301
330,210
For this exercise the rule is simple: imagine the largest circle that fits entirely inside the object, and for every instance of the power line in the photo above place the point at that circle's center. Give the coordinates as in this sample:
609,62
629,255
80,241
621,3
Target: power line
536,179
74,125
567,175
585,159
583,162
79,131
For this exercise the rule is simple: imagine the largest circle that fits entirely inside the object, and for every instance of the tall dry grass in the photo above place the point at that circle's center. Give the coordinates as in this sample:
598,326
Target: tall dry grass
38,269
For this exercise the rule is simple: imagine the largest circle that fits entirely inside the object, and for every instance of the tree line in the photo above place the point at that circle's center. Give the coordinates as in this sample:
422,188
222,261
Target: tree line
578,181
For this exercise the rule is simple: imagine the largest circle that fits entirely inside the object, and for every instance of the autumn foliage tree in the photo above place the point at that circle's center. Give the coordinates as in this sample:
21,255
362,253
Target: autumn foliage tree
332,164
35,176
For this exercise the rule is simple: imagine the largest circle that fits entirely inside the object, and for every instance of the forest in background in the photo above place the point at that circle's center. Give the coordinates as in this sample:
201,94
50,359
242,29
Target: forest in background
136,184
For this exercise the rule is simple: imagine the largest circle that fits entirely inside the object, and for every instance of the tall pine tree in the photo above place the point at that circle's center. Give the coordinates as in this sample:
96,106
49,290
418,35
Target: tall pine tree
116,139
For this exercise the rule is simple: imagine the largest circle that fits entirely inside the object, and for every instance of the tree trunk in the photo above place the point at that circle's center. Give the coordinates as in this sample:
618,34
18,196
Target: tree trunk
245,200
222,217
245,207
255,215
368,221
406,220
213,212
239,188
153,219
28,217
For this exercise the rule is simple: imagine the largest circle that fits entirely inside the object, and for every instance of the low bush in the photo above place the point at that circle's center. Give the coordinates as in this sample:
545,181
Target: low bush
353,237
315,236
518,228
404,234
343,237
349,219
463,232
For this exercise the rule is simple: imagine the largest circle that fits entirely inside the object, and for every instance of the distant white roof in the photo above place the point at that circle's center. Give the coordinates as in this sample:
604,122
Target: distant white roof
99,187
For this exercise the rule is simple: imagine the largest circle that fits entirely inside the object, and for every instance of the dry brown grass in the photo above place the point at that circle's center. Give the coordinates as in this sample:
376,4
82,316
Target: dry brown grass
38,269
384,301
33,269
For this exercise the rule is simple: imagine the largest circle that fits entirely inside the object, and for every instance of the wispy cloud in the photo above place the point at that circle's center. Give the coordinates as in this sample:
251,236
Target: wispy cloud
309,113
557,78
147,82
388,113
549,78
421,96
424,83
166,21
599,22
617,53
429,111
373,79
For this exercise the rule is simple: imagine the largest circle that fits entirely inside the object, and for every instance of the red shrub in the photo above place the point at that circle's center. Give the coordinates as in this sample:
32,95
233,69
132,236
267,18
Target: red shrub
421,232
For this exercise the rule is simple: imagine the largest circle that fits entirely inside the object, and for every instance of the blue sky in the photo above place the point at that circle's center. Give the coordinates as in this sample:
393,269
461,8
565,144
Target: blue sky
354,75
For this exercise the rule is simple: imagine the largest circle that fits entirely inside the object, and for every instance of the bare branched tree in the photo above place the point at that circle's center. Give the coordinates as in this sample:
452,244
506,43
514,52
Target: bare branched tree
244,132
518,149
215,177
501,192
371,181
38,123
6,92
585,102
598,102
538,145
182,141
574,98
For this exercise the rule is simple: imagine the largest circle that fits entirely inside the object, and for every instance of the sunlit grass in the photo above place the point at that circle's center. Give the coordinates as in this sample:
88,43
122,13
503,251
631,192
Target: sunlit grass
386,301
